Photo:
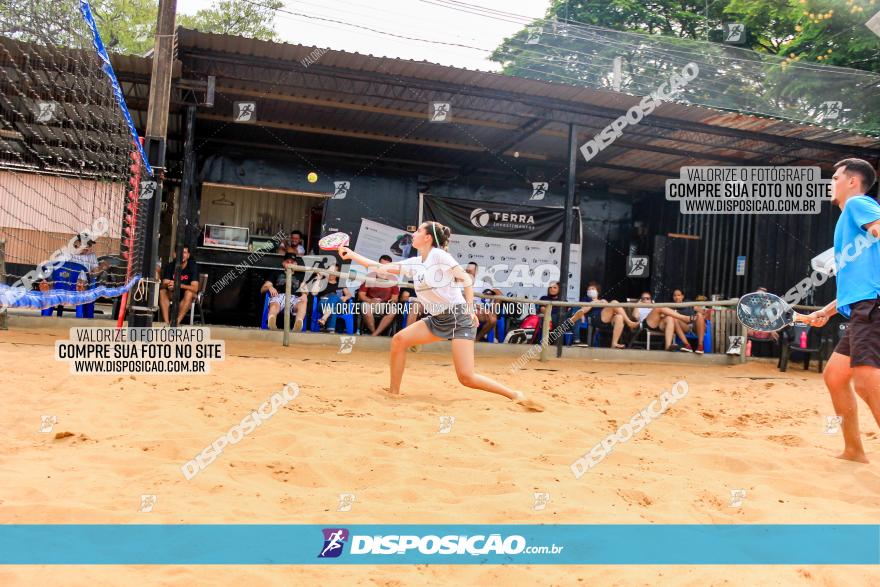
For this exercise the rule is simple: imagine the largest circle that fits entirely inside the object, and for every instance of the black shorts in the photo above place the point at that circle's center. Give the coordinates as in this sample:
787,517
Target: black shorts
861,340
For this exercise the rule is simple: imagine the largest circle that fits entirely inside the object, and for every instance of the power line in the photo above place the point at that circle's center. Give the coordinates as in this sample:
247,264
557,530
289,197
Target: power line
578,27
586,65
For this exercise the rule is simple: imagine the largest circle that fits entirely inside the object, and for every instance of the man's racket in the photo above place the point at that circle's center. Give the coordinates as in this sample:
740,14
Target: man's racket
766,312
333,241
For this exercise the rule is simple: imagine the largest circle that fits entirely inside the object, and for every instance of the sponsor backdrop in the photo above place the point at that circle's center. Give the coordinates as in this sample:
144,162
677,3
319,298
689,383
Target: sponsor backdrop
518,268
518,248
513,221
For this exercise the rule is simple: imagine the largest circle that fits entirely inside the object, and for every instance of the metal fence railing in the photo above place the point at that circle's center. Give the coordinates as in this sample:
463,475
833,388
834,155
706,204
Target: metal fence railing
724,320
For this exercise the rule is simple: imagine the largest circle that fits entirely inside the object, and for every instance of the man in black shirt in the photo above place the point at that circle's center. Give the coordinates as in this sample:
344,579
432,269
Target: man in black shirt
277,301
189,286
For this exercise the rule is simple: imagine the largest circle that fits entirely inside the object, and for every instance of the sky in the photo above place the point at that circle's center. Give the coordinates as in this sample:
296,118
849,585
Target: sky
423,19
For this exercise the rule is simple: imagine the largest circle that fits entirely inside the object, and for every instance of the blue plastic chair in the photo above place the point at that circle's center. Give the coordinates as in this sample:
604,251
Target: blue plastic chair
264,324
348,317
65,278
405,317
500,327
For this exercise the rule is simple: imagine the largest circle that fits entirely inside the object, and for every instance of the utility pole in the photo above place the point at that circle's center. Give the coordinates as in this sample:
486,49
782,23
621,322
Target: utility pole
566,232
157,130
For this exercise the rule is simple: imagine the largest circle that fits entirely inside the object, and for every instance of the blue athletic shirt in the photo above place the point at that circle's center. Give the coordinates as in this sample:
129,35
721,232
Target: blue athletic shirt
858,275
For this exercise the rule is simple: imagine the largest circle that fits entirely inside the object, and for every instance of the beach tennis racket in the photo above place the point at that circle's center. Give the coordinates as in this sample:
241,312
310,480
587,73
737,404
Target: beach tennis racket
765,312
333,241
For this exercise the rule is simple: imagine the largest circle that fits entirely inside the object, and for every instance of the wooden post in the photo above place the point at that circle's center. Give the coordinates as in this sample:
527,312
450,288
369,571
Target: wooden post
182,234
545,333
163,62
3,311
566,229
288,290
157,124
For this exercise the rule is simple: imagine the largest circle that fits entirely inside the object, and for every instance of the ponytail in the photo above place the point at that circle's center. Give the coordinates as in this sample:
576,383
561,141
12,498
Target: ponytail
440,234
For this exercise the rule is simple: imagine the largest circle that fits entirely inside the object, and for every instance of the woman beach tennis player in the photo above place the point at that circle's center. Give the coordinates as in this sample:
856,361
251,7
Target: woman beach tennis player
445,291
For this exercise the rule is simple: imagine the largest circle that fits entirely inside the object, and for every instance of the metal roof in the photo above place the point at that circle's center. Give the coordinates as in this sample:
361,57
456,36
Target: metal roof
350,102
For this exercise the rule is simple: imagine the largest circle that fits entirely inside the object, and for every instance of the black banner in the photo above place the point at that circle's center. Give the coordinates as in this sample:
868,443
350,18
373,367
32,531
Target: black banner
497,219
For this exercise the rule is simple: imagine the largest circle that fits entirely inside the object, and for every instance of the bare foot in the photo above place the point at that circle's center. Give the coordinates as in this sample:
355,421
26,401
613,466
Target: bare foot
528,404
851,455
619,346
388,390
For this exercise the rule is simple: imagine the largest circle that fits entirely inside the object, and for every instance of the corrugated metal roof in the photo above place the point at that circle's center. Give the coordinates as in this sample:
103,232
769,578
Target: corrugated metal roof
321,108
454,76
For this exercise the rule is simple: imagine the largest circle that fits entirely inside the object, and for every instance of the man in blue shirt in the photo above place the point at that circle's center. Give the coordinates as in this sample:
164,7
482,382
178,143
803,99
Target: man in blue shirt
856,359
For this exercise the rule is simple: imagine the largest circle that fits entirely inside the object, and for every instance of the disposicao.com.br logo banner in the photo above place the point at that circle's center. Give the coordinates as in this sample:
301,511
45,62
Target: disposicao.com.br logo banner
458,544
427,544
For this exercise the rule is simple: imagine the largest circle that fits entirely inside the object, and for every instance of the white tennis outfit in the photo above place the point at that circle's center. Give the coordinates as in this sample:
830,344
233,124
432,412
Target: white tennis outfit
439,294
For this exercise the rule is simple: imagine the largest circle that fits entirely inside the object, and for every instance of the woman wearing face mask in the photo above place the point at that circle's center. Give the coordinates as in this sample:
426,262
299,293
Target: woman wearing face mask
592,314
608,320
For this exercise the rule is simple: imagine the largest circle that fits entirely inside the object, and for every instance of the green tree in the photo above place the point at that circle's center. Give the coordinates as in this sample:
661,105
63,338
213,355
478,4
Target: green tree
126,26
820,31
236,17
129,26
778,72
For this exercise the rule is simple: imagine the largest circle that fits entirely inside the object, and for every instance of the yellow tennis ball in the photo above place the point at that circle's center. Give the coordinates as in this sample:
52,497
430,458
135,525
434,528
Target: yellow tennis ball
313,177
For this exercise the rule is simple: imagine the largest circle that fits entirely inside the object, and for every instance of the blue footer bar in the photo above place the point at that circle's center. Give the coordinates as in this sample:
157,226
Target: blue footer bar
275,544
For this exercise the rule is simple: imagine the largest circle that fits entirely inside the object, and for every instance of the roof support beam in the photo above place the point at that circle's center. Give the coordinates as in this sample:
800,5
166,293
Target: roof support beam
541,102
490,155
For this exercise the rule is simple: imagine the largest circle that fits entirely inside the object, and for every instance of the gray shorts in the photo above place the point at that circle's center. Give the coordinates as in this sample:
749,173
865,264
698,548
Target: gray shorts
452,324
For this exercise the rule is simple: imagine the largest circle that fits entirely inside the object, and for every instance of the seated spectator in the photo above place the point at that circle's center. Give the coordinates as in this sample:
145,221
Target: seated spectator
407,295
371,294
277,295
88,260
616,318
295,243
705,310
189,286
592,314
330,298
696,323
660,319
558,315
484,309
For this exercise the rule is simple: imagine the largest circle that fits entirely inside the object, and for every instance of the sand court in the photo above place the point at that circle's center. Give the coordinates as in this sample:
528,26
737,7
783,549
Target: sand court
117,438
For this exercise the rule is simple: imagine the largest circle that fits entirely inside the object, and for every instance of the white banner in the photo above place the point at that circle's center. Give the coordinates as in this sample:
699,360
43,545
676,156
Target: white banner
376,239
519,268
